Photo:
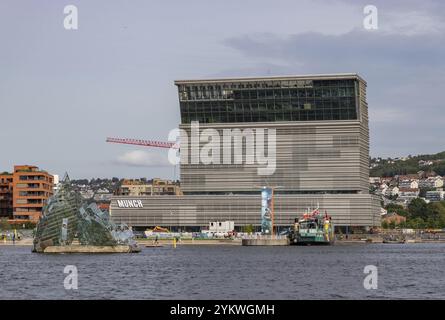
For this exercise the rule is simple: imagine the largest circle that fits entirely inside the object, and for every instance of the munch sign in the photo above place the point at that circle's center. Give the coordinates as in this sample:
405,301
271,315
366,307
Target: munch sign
129,204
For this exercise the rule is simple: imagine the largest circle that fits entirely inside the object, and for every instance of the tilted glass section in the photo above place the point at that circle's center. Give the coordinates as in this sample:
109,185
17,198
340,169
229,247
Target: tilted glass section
58,224
67,215
269,101
96,228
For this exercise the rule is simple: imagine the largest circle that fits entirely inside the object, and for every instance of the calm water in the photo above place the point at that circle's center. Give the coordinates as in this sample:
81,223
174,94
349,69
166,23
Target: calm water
229,272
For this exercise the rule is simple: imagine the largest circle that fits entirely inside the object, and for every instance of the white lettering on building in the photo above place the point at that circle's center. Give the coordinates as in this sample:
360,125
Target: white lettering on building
130,204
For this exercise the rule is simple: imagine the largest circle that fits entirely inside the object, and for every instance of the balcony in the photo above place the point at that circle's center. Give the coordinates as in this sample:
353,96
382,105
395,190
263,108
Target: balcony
33,194
32,178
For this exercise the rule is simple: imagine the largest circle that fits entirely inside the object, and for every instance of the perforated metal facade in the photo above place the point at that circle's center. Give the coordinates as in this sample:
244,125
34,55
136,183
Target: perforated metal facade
322,152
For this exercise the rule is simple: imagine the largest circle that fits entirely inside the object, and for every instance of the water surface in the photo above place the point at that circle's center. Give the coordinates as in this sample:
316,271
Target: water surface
415,271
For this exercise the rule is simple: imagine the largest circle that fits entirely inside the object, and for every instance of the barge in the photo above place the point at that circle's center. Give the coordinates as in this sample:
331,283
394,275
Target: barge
314,228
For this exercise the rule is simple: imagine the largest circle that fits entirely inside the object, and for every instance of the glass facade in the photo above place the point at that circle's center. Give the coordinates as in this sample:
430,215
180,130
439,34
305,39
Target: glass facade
269,101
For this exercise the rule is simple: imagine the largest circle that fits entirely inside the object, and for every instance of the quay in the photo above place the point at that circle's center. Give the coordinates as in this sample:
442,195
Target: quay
266,242
91,249
166,242
229,242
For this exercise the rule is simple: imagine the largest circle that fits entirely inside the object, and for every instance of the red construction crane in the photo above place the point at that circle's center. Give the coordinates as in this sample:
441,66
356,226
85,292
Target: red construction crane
145,143
148,143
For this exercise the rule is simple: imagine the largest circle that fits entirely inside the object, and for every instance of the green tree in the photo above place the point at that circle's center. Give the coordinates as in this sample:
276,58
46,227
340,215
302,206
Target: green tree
4,225
436,214
400,210
432,223
416,223
418,208
249,229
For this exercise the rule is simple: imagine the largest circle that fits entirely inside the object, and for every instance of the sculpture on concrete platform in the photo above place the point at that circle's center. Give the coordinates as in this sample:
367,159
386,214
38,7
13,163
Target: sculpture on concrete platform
67,215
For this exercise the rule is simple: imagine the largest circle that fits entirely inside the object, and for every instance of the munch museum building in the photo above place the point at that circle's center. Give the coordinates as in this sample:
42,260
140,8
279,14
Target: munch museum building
320,154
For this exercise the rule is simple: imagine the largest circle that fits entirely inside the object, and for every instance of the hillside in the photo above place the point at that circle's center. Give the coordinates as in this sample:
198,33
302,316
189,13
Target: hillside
411,164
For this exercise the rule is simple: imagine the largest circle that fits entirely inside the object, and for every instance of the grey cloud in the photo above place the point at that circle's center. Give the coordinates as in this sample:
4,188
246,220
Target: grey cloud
354,48
404,73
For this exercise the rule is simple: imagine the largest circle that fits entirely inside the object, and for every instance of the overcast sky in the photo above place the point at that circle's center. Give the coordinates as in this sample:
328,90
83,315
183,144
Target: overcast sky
63,92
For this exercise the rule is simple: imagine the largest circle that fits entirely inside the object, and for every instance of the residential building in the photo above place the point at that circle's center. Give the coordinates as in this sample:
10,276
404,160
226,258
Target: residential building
435,195
407,194
375,180
423,163
102,195
391,191
6,180
386,180
409,184
431,182
31,188
165,187
56,183
155,187
412,176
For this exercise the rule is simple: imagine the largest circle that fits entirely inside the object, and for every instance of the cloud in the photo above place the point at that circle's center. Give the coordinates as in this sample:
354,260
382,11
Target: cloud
357,48
403,71
139,158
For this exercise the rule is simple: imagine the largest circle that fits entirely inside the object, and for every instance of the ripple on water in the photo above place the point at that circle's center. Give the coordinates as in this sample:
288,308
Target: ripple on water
229,272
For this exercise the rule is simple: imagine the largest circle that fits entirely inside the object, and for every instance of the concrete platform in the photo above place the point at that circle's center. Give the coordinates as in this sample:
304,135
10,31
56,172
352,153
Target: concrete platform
154,245
265,242
187,242
91,249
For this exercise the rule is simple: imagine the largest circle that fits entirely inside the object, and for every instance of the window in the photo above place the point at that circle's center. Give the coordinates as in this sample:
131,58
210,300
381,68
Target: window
259,101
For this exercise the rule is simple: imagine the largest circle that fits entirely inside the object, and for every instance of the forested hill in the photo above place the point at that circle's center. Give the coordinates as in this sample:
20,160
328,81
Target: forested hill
407,165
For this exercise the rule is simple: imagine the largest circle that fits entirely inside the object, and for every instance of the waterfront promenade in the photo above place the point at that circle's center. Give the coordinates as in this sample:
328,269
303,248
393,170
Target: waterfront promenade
358,239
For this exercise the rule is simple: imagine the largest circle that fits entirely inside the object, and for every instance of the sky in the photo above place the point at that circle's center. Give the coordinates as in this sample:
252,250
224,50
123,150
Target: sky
62,92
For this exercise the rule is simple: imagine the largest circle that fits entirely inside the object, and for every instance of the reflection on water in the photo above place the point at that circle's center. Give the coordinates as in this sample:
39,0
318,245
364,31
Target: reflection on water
229,272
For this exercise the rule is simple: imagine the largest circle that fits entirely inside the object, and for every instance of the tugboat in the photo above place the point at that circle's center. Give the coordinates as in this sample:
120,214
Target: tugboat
314,228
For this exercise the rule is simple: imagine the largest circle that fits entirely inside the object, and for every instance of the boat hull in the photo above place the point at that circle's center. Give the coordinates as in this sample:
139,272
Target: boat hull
310,241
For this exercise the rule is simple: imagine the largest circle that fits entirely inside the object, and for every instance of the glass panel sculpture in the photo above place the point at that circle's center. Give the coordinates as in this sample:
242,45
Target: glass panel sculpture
67,215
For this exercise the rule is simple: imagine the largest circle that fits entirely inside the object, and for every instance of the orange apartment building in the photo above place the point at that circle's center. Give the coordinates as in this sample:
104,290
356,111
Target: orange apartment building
25,192
6,195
